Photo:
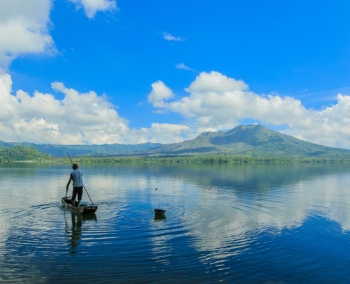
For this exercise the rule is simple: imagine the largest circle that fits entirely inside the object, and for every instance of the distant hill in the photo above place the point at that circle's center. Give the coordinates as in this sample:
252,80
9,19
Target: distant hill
21,153
84,150
253,140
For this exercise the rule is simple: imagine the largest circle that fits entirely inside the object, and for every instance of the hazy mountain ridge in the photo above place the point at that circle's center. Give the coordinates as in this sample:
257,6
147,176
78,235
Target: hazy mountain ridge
250,140
84,150
253,140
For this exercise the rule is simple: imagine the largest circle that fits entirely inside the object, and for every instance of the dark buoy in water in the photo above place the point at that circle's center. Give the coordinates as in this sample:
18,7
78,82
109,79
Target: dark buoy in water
159,217
159,212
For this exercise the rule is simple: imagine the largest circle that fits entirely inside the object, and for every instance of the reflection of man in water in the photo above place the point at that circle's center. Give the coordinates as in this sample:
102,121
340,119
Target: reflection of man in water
77,177
77,221
77,228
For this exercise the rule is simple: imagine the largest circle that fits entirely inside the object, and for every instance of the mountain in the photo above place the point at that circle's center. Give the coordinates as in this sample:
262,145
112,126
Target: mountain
253,140
84,150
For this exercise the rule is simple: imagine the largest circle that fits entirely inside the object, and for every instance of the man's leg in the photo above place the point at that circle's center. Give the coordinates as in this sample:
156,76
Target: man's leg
74,195
80,194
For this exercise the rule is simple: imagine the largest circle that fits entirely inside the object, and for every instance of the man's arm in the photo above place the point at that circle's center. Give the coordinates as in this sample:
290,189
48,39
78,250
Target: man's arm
70,179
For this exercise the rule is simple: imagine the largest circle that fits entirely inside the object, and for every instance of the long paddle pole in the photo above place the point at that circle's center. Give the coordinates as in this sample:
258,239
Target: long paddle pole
84,185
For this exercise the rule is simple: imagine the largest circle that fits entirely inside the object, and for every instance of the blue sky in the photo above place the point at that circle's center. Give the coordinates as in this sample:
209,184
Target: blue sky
298,50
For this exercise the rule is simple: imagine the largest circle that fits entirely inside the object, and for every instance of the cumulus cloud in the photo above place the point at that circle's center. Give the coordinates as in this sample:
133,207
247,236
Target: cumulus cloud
215,81
170,37
218,102
183,66
159,93
169,132
24,28
91,7
78,117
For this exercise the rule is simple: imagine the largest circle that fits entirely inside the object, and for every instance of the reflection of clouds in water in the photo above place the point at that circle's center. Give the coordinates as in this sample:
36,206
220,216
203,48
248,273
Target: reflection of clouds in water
228,224
330,197
140,187
4,226
113,187
161,247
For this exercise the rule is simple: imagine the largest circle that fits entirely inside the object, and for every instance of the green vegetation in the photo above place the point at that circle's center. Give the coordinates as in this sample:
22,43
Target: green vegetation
84,150
21,153
200,159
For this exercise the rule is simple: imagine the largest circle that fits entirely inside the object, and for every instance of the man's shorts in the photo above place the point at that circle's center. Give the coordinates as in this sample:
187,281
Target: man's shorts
79,191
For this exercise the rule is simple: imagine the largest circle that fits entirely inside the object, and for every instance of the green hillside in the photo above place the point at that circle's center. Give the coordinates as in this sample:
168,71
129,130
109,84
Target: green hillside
252,140
84,150
21,153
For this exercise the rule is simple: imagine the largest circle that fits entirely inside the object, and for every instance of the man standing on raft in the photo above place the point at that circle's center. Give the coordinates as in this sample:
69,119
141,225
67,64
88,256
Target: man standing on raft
77,177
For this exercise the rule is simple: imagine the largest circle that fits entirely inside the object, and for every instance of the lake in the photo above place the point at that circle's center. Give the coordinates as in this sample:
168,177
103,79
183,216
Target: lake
287,223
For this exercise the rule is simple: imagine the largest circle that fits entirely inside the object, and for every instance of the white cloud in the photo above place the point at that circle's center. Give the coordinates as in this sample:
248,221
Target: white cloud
78,117
91,7
170,37
160,92
183,66
218,102
24,28
170,133
216,82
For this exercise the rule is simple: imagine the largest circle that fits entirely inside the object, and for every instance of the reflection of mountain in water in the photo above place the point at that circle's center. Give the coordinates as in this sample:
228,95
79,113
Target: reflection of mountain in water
75,231
254,178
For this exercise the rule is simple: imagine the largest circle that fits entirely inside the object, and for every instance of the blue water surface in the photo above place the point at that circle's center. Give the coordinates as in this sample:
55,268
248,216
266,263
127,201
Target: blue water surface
287,223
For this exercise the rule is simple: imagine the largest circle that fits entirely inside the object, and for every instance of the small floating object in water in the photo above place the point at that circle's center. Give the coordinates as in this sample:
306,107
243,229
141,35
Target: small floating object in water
159,217
156,189
159,211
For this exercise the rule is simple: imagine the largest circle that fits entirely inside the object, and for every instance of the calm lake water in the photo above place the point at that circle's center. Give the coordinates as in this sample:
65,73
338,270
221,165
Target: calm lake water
237,223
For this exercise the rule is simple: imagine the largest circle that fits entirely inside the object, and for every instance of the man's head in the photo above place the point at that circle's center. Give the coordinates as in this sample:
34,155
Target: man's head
75,166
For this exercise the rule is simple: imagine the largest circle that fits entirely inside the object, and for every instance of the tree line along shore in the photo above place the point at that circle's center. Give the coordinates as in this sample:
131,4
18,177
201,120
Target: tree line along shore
22,153
202,159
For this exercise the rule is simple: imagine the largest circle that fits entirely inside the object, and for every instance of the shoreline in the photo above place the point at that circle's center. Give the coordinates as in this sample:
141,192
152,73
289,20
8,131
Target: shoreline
185,160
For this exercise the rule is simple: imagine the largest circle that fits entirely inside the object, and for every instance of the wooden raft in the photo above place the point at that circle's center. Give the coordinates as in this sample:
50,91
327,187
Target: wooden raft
66,202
